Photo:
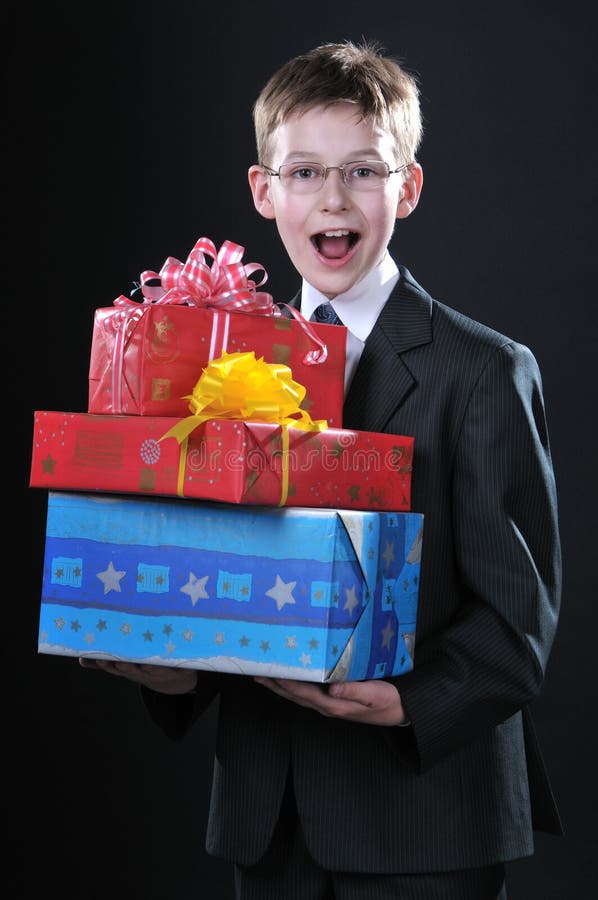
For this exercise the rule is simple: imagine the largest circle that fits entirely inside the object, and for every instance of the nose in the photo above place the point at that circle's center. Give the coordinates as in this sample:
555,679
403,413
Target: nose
334,193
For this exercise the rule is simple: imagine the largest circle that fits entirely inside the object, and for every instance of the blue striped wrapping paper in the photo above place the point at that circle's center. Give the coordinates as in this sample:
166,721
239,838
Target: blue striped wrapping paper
313,594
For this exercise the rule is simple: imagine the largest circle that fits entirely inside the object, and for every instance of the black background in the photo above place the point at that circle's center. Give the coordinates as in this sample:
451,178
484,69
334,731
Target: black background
129,135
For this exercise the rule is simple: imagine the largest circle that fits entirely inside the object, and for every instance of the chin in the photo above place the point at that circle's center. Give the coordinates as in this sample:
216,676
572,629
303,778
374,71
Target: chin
332,288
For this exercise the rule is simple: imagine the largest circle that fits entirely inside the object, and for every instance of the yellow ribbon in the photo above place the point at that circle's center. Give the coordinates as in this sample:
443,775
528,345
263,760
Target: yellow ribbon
239,386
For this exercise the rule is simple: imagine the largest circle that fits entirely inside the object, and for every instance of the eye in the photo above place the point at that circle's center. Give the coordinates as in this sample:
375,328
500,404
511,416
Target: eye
301,171
363,170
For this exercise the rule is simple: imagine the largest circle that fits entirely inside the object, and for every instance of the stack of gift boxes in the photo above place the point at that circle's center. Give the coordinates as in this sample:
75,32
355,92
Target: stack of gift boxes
209,510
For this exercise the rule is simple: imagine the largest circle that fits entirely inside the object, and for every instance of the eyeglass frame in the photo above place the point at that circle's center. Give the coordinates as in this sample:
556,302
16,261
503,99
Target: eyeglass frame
341,169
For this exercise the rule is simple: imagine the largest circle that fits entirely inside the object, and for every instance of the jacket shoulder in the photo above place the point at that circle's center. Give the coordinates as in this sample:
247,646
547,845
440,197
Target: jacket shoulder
453,325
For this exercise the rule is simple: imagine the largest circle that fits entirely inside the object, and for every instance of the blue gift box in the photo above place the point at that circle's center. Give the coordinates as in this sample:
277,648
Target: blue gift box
312,594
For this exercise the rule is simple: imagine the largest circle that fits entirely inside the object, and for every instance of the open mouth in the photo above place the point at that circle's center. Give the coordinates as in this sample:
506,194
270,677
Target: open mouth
335,244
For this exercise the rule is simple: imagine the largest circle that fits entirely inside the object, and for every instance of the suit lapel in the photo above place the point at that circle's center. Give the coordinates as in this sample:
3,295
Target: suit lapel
382,381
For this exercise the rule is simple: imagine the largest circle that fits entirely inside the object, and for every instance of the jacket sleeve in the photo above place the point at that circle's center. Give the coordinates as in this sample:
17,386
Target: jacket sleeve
489,661
175,714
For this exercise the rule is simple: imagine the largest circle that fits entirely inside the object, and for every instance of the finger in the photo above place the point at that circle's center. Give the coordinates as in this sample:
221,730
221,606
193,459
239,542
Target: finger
349,690
305,689
150,669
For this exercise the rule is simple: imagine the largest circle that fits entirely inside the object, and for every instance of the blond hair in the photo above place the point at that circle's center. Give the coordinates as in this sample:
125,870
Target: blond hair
378,85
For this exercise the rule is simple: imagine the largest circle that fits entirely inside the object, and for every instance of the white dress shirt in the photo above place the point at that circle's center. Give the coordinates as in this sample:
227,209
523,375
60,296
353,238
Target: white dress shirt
358,308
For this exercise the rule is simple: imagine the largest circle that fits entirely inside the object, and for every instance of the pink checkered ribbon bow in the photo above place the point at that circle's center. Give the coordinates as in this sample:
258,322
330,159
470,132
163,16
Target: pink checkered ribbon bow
225,287
225,284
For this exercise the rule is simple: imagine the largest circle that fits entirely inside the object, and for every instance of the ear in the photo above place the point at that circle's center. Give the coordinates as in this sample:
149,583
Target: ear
410,191
259,182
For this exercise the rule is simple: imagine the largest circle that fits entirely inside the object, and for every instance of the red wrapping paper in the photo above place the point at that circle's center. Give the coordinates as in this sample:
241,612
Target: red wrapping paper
146,356
223,460
167,346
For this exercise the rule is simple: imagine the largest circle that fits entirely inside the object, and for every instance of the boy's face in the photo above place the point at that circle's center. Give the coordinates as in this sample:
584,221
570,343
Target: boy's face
334,136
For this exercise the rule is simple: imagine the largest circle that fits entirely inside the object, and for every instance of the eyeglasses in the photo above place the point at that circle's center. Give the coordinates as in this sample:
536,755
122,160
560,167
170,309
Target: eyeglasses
309,177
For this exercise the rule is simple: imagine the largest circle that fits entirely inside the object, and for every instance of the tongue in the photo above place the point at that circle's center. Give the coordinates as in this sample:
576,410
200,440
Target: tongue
334,247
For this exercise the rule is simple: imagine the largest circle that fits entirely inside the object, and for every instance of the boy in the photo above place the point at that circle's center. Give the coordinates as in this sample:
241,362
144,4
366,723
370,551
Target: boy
422,786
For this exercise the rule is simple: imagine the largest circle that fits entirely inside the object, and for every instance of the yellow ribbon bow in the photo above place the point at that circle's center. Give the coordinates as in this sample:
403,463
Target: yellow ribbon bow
239,386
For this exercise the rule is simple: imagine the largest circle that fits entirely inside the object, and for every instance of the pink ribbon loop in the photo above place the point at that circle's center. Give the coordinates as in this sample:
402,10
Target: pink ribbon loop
225,284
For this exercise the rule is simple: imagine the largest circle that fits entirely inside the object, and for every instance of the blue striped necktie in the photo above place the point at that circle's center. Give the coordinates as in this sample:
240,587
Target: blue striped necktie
325,314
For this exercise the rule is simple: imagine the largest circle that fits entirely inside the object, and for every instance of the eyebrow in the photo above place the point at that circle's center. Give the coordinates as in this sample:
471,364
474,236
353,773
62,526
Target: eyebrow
307,155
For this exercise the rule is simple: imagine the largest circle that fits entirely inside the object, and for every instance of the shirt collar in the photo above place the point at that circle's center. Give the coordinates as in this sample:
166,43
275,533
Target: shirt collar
360,306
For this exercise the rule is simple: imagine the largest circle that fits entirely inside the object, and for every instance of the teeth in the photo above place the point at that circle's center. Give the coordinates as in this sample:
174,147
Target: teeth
340,232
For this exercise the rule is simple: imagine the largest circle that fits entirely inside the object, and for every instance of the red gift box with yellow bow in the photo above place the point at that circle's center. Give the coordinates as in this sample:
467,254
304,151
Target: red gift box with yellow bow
223,460
145,356
246,441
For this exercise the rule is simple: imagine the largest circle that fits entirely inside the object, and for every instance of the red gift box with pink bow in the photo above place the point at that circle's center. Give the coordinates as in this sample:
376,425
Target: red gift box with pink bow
146,356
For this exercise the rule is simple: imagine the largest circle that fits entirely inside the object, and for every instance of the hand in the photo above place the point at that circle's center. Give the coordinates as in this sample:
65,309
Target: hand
368,702
163,679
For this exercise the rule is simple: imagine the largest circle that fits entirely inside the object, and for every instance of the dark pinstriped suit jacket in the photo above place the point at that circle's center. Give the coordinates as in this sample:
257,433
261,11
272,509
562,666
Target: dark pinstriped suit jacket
460,786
